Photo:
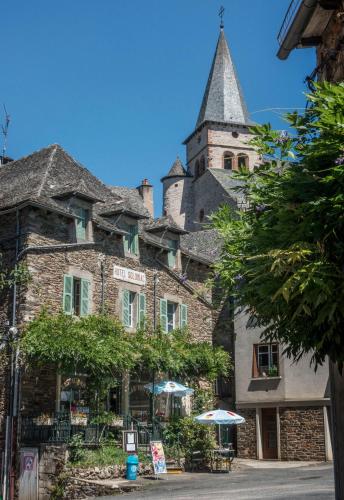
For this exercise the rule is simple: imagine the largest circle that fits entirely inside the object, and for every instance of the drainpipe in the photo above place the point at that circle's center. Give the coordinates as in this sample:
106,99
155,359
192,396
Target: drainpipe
155,283
12,418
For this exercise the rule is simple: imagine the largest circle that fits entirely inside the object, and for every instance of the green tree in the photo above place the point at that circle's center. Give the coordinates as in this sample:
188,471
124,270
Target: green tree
283,256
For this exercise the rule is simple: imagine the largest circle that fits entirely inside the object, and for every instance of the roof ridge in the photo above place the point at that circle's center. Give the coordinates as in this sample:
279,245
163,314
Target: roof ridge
10,164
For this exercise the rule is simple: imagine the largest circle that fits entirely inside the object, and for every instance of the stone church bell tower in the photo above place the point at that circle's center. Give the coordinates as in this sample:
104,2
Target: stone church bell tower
217,146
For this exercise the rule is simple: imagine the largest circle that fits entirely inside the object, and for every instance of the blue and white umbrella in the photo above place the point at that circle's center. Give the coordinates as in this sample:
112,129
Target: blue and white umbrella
220,417
170,387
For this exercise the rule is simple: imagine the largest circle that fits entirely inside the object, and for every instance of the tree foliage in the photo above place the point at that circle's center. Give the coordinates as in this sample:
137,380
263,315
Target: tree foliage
283,257
100,346
9,276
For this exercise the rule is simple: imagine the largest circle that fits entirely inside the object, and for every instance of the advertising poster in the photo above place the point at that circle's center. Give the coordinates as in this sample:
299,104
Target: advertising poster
158,457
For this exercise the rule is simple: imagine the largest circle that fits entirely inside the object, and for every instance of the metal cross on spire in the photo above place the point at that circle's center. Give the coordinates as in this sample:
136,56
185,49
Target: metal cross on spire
221,14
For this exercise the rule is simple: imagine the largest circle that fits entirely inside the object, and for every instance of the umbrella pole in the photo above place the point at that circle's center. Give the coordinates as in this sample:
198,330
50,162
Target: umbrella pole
219,436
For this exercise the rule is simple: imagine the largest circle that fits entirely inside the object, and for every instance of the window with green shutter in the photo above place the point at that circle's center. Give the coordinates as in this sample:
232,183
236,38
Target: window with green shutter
141,309
163,315
76,295
81,221
68,294
183,315
128,311
85,297
131,240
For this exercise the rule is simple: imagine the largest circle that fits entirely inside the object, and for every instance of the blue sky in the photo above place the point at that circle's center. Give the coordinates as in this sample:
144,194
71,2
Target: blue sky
119,84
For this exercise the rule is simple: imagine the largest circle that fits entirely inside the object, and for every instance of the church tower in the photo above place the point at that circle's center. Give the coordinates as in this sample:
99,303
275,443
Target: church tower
218,145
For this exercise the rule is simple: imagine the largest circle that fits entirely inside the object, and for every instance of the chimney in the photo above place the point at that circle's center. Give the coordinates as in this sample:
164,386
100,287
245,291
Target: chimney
146,193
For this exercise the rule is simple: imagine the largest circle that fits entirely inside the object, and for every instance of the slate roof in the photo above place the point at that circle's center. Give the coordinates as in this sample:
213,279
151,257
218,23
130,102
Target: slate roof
223,99
162,223
228,182
130,202
177,170
206,244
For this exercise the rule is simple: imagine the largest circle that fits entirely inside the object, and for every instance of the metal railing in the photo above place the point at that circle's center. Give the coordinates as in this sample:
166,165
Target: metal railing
60,427
288,19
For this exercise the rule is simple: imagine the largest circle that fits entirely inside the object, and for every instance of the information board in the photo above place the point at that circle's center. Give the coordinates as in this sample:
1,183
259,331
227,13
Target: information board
158,457
130,441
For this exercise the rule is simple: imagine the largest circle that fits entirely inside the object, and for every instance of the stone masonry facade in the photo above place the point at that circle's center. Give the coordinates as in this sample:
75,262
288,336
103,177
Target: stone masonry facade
246,435
302,433
47,268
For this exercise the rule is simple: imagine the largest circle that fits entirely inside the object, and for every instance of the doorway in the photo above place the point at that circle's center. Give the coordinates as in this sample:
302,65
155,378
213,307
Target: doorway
269,433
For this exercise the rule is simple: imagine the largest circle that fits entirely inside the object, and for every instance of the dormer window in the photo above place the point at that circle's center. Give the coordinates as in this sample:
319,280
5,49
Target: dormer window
82,219
131,240
172,254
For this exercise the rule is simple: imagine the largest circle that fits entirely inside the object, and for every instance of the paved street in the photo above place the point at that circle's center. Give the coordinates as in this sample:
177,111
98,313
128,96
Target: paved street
296,483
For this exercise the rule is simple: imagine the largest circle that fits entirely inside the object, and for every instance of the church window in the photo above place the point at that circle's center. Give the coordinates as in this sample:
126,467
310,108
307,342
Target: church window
242,160
235,135
176,185
228,160
201,215
199,139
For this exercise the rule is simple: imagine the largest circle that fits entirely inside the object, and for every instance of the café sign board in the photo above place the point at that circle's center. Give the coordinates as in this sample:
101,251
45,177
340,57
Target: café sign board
129,275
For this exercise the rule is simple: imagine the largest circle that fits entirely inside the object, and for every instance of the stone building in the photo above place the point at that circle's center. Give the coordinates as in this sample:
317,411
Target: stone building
320,24
285,404
89,248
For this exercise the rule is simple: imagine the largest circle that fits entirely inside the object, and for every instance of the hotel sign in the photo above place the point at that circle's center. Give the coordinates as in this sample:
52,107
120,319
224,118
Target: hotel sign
129,275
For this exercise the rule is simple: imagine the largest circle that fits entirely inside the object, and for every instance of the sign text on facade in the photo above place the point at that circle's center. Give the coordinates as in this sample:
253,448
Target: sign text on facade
129,275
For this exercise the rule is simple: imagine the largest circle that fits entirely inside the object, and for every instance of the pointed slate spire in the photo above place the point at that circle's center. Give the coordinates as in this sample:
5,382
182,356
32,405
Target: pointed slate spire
177,169
223,100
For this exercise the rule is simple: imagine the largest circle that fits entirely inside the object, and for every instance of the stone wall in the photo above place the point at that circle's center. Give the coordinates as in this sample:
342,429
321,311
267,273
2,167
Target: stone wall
246,434
52,460
302,433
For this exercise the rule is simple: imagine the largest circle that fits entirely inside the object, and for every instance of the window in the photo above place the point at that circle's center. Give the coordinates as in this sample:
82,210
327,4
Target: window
131,240
228,160
133,308
169,315
81,222
201,215
76,295
172,254
265,360
242,160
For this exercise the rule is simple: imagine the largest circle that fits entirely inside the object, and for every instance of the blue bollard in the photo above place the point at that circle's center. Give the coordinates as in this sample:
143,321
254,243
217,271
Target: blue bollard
132,466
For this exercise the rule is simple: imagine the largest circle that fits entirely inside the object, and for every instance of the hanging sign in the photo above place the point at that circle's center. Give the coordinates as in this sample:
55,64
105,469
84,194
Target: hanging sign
158,457
129,275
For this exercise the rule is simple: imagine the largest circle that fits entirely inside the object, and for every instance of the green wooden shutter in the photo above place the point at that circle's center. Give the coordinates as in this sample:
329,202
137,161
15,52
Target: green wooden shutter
68,294
126,239
135,239
81,223
183,315
163,315
141,309
172,254
85,290
125,307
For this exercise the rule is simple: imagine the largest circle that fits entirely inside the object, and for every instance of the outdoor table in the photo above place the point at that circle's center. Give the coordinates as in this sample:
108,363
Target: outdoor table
221,459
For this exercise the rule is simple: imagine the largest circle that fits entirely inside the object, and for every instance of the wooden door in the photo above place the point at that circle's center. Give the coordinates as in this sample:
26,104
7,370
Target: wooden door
28,482
269,433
